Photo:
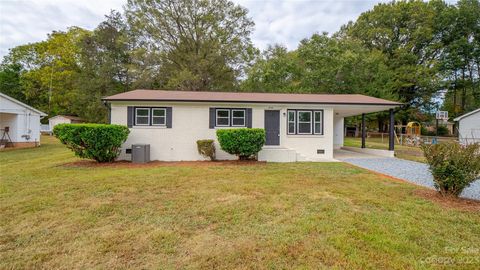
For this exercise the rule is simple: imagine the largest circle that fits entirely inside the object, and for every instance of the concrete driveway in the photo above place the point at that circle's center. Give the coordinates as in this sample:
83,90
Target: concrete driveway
411,171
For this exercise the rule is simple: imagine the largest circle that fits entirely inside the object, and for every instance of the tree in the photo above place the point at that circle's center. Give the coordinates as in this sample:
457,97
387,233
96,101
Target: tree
49,71
200,45
275,70
105,61
10,81
409,34
460,62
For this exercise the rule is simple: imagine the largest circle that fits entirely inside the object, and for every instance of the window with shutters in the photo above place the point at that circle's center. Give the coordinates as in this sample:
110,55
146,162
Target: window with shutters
226,117
150,116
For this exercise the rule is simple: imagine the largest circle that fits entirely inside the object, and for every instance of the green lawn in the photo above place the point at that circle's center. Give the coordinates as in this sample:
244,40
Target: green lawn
401,151
275,216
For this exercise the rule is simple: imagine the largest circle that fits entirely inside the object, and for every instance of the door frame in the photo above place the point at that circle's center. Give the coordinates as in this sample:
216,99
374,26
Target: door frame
278,124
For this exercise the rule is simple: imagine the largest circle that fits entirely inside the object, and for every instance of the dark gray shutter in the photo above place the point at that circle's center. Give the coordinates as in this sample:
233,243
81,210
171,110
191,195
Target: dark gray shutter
249,118
169,117
212,118
109,113
130,116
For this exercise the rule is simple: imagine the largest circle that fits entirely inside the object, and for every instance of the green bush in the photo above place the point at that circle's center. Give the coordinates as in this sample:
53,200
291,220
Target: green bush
243,142
442,131
454,167
206,148
93,141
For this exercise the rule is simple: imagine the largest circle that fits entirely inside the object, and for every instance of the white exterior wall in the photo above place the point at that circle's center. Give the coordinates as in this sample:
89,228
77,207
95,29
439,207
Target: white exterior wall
52,122
23,122
469,128
339,129
190,122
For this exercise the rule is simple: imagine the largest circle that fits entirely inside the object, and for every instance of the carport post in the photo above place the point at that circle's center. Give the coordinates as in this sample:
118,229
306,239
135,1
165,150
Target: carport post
391,139
363,130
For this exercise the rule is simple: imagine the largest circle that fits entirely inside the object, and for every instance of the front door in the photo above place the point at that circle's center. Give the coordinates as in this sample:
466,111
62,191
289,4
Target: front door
272,127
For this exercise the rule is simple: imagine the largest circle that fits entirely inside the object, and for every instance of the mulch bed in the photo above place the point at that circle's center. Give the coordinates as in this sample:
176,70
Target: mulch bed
449,202
128,164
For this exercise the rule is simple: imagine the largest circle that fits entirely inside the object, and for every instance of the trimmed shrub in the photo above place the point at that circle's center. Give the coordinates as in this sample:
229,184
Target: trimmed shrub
453,166
243,142
99,142
206,148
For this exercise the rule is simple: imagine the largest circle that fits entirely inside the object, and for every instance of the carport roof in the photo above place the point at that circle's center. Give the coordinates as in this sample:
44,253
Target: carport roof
248,97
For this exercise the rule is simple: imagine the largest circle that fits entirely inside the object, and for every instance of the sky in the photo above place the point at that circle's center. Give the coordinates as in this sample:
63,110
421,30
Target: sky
276,21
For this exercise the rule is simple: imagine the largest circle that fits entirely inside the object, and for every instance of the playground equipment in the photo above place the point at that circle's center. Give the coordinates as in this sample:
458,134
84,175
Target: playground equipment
412,132
413,129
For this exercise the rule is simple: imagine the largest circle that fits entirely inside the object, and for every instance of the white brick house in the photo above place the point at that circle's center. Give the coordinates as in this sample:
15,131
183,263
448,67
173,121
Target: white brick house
299,127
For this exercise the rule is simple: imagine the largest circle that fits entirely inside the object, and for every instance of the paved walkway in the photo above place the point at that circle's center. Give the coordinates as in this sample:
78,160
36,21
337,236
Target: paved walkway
415,172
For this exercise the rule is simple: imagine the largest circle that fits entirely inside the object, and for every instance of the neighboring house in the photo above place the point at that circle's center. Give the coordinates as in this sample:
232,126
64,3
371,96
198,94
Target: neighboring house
21,121
469,127
63,119
299,127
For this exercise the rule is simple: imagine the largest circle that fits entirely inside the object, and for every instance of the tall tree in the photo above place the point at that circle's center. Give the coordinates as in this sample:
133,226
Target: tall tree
199,44
460,61
409,34
106,63
49,70
275,70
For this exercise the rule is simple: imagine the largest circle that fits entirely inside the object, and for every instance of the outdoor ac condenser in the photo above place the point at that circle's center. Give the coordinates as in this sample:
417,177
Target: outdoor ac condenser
140,153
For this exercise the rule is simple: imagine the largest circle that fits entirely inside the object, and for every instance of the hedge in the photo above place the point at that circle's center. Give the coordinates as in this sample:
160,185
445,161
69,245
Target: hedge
99,142
243,142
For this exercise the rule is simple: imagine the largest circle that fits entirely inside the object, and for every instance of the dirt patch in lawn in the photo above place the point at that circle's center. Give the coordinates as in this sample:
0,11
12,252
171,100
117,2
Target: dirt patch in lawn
128,164
449,202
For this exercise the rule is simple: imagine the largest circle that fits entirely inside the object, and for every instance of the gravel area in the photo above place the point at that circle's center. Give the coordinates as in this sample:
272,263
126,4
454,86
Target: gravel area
411,171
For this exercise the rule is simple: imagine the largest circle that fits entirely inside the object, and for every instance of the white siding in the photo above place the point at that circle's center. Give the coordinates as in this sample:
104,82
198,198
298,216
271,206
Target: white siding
190,123
469,128
52,122
23,122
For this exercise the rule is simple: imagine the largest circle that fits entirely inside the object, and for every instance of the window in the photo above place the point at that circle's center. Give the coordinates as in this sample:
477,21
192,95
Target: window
223,118
291,122
142,116
305,122
159,116
238,118
152,116
230,117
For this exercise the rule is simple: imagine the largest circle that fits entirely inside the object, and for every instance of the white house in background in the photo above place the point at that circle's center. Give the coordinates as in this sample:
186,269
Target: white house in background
299,127
63,119
21,121
469,127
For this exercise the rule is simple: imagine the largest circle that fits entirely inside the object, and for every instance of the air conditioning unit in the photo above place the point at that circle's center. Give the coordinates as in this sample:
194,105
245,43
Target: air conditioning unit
140,153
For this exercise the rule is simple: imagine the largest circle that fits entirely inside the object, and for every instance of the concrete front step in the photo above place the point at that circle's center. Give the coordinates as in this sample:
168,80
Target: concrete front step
277,154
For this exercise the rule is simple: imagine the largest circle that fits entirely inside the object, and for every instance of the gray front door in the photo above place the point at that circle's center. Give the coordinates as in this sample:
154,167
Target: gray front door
272,127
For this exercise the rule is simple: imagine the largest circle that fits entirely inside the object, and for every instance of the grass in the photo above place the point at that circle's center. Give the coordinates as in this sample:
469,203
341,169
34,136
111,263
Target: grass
401,151
301,215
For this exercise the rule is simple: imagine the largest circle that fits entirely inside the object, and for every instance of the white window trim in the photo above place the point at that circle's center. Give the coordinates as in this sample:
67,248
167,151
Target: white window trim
293,121
310,122
319,121
148,117
216,117
164,116
236,117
